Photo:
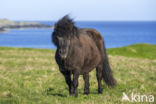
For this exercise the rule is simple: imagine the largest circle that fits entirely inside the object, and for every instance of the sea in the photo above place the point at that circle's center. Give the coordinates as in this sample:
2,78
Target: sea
115,34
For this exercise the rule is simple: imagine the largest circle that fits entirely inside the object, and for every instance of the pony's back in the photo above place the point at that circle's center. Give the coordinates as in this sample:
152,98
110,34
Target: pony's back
96,36
106,69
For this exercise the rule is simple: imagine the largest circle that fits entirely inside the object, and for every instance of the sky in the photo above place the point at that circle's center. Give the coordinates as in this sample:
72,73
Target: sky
83,10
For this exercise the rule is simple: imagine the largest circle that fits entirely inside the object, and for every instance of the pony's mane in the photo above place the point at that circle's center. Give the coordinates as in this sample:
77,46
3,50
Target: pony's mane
65,27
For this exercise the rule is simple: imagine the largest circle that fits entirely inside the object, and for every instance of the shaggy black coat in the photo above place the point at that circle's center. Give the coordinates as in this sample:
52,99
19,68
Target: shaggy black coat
78,52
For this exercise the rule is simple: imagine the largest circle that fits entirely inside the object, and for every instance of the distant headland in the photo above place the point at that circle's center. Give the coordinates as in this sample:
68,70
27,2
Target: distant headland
6,25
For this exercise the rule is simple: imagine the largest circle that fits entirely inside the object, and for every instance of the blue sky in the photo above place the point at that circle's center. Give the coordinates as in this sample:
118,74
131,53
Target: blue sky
105,10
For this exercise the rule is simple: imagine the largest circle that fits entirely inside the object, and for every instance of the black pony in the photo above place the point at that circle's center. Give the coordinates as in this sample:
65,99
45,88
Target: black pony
79,51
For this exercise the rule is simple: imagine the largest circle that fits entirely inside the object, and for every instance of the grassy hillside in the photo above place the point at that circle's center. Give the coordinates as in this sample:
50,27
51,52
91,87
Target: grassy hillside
31,76
137,50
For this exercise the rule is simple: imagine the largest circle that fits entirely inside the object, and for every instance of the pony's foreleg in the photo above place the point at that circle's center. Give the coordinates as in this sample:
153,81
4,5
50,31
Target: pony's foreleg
67,76
99,78
86,80
75,83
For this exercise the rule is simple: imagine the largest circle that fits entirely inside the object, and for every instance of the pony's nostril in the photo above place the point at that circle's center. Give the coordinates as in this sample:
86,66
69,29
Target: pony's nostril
60,52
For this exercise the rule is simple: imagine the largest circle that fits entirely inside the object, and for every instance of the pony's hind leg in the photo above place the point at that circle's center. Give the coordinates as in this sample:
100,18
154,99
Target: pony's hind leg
86,81
99,78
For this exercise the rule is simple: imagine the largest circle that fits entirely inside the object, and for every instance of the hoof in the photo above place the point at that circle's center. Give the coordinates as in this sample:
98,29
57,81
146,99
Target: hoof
99,91
86,93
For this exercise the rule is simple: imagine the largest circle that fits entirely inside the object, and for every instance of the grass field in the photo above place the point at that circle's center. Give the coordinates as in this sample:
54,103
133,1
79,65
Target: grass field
31,76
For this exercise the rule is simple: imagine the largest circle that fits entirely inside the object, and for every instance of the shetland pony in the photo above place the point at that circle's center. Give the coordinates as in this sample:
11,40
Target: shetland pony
79,51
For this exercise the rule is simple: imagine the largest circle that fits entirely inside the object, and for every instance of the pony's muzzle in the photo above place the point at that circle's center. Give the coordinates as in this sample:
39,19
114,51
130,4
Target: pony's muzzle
62,54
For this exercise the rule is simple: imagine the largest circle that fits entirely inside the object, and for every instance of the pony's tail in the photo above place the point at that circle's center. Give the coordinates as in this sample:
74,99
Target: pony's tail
106,71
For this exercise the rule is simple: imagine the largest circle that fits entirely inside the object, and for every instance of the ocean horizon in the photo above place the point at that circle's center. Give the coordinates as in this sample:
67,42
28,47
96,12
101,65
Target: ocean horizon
115,34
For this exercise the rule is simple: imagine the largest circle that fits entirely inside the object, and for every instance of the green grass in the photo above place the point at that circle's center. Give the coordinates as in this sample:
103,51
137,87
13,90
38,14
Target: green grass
137,50
31,76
